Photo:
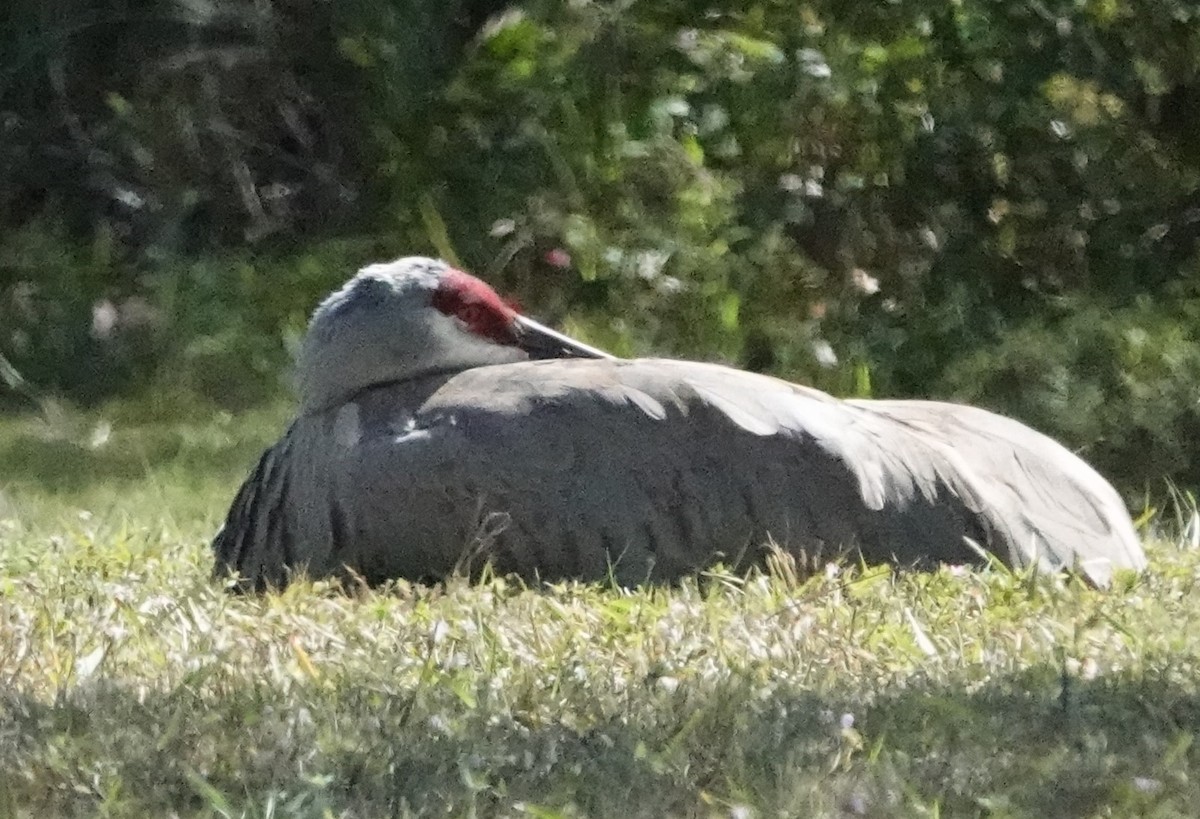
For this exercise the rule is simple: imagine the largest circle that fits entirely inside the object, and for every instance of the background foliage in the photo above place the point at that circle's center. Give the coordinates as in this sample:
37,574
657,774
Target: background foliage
998,202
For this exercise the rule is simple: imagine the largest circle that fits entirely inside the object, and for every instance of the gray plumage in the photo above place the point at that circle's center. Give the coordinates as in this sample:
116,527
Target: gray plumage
427,441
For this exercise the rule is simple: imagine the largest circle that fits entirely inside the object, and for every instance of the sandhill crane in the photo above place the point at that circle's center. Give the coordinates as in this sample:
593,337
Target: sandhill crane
436,424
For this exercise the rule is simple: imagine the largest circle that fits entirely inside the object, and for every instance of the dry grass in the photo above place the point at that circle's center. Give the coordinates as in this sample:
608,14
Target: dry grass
131,686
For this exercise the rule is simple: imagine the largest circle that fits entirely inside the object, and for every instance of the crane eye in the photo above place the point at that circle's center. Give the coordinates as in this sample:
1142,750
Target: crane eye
472,314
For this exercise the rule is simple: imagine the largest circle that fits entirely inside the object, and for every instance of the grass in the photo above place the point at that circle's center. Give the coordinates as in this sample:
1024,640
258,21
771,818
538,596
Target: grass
131,686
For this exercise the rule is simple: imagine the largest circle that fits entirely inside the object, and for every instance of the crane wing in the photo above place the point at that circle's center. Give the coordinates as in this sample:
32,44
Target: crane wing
1049,506
650,469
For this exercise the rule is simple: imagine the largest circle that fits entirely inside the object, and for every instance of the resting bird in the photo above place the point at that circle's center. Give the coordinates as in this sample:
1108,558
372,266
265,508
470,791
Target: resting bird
439,428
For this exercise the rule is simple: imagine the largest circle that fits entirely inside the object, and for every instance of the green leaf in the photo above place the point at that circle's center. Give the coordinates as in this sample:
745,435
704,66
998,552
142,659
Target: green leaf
862,380
755,48
436,232
357,51
730,312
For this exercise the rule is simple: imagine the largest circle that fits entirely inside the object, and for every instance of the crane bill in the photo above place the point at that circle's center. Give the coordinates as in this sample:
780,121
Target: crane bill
539,342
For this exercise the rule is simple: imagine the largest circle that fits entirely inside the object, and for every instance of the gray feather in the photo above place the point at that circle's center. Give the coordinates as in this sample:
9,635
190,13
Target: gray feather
654,469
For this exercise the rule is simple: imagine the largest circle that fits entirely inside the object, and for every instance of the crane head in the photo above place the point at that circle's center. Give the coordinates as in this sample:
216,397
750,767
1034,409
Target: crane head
411,318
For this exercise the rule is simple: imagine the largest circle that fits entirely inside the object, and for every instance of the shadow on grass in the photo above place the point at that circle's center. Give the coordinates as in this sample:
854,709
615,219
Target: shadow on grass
1018,745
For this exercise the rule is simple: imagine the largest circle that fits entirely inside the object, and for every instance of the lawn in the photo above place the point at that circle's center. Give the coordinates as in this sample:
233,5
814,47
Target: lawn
131,685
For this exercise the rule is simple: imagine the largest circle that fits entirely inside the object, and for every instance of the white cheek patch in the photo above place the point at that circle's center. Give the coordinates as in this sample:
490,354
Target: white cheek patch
347,428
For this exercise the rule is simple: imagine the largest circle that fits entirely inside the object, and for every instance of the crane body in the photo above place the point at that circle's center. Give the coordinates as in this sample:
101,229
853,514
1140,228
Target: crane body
439,429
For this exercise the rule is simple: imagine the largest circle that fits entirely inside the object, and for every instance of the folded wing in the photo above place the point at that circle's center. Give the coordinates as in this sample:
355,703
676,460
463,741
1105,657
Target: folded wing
650,469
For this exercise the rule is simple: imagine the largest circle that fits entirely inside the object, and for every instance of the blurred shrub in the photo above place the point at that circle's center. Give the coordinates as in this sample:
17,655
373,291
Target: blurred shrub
220,328
986,199
179,126
1120,386
57,326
